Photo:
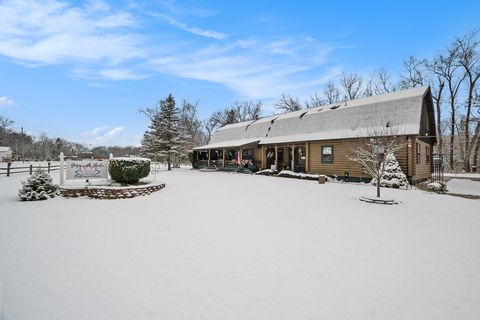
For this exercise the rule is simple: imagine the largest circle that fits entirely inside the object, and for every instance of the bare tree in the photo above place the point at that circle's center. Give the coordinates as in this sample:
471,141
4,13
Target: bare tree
382,83
287,103
446,66
331,93
248,110
352,85
315,101
190,124
413,74
370,152
469,58
418,73
476,136
369,88
209,127
237,112
5,124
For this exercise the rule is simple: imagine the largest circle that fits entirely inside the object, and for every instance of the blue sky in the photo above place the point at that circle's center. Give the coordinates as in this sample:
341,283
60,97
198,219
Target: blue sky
82,69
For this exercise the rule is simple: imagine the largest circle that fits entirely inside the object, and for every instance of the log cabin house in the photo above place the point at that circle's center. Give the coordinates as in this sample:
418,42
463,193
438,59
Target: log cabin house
318,140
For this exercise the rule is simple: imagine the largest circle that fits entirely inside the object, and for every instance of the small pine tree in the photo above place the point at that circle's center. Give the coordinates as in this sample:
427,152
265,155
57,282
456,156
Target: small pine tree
393,176
164,139
39,186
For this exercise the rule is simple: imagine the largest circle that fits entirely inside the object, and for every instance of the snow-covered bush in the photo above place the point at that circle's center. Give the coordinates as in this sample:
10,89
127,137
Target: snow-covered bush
298,175
393,176
39,186
437,187
128,170
266,172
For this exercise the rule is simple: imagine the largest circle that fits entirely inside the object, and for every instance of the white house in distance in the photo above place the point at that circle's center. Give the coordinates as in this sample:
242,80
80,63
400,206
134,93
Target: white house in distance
5,154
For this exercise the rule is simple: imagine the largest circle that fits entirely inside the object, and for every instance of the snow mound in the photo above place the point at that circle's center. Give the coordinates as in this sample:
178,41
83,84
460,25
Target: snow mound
306,176
266,172
464,186
436,186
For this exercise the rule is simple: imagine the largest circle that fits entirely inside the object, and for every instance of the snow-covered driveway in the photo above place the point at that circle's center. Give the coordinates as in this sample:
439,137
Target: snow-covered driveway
231,246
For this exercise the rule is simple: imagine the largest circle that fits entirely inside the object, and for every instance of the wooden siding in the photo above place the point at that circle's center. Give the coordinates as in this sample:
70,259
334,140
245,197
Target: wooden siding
423,170
341,163
257,155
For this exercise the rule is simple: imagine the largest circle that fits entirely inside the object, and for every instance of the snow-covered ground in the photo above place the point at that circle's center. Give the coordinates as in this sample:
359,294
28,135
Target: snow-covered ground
464,186
462,175
233,246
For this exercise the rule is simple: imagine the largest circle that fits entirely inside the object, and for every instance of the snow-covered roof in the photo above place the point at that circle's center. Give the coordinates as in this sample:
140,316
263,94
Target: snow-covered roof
401,110
5,149
229,143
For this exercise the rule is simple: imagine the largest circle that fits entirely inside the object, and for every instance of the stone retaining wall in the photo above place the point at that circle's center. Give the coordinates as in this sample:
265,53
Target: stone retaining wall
97,192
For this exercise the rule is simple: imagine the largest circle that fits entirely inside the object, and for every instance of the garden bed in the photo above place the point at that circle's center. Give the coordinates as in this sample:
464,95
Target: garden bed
111,192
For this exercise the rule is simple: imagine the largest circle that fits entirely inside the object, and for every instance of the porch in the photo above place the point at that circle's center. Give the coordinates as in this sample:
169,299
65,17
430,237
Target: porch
240,159
292,157
254,157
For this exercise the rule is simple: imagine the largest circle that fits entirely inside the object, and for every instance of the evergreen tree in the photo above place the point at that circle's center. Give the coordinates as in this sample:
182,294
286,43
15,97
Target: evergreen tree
39,186
393,176
164,139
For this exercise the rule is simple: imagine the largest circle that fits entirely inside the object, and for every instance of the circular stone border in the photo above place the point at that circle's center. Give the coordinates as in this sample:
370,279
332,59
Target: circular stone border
109,192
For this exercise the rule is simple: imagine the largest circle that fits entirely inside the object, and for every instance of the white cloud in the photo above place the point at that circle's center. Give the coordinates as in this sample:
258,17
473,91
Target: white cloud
95,131
51,31
106,136
101,44
256,69
6,101
121,74
194,30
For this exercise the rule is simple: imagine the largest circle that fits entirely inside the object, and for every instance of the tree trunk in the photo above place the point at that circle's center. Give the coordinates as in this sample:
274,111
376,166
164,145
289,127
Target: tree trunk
452,138
169,163
378,187
438,105
466,159
477,148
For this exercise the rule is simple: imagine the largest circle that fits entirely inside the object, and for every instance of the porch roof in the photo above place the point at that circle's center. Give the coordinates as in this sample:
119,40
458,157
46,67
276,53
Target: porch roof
225,144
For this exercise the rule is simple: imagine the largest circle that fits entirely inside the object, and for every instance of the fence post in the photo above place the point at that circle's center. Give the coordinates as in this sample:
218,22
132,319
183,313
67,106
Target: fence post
49,167
31,169
62,162
8,168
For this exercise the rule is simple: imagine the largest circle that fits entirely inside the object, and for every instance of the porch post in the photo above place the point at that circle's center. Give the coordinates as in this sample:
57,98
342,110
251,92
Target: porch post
306,157
263,156
208,164
240,156
276,157
223,158
292,147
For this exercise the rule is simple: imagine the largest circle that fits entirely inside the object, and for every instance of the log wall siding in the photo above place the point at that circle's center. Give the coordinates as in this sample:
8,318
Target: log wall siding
423,170
257,154
341,163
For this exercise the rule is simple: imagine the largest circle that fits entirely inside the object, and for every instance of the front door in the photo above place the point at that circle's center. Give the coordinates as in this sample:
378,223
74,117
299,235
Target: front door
300,159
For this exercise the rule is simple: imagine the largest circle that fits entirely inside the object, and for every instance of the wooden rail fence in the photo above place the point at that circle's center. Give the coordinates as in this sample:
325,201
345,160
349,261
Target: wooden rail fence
12,170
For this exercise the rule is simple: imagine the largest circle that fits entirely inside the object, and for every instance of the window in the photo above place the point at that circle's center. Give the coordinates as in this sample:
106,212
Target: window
417,153
247,154
327,154
427,155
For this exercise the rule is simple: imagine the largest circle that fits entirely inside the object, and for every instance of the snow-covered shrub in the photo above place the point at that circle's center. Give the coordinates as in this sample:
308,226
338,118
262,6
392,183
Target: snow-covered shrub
128,170
39,186
266,172
437,187
393,176
305,176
